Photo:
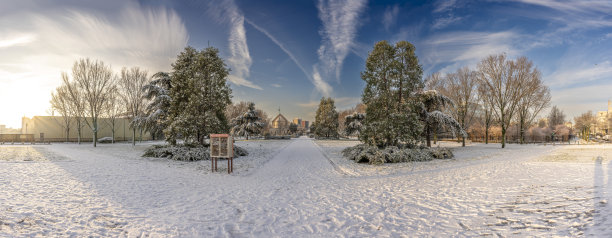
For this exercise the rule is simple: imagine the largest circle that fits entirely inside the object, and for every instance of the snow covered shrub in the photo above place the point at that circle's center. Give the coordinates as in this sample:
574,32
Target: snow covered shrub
364,153
186,153
239,151
441,153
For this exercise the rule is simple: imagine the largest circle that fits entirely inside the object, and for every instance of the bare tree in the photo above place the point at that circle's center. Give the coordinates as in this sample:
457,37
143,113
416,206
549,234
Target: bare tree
584,122
486,108
131,84
113,109
60,102
555,117
535,96
499,78
94,80
76,105
461,88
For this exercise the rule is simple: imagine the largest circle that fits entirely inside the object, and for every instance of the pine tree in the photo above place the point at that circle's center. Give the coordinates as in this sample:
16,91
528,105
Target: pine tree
326,119
199,94
353,124
248,123
157,92
392,75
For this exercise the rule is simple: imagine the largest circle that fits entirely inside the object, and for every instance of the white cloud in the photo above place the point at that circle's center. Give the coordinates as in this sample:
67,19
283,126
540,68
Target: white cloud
579,74
390,16
340,21
323,87
444,5
573,101
576,14
440,23
463,48
240,59
127,35
283,47
16,40
276,85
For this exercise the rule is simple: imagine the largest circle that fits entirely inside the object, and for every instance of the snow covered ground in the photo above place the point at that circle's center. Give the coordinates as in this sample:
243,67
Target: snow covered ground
304,188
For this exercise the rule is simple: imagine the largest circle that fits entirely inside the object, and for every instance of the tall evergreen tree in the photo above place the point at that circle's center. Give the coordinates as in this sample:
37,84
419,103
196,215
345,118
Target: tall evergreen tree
200,94
392,76
249,123
157,92
326,119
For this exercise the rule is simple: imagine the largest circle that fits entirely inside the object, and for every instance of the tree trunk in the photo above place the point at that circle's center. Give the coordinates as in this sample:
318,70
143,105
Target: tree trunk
521,131
486,136
95,132
67,133
463,141
435,137
79,133
134,136
503,139
428,136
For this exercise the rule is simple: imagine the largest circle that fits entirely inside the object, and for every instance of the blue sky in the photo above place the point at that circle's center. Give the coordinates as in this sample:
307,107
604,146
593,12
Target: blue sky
288,54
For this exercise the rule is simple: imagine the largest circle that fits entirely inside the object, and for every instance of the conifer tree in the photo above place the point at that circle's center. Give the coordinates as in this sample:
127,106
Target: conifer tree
249,123
326,119
392,76
157,92
199,94
353,124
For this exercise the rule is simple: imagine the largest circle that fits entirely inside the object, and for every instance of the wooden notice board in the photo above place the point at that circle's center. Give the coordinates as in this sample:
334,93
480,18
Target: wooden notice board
222,146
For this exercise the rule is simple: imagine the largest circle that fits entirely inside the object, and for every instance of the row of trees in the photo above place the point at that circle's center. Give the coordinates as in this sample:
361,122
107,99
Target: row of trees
500,91
95,91
188,103
402,108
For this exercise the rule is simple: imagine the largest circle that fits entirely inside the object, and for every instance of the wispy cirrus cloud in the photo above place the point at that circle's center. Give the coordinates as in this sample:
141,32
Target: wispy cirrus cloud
580,74
320,85
464,48
576,14
444,5
240,59
323,87
39,42
16,40
443,22
390,16
340,22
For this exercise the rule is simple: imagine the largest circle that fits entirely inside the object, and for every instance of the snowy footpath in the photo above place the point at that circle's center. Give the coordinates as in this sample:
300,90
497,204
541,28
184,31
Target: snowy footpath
303,188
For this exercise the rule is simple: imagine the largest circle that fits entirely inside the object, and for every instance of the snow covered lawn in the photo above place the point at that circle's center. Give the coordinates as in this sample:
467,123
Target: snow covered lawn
303,187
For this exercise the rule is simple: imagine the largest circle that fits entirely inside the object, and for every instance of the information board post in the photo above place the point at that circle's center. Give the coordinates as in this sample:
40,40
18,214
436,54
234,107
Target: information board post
222,146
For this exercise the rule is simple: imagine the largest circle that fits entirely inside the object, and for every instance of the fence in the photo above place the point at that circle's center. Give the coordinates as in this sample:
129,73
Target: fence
530,139
16,138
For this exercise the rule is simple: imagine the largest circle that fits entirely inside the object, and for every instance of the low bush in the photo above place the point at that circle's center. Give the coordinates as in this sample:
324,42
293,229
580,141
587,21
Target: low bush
186,152
363,153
